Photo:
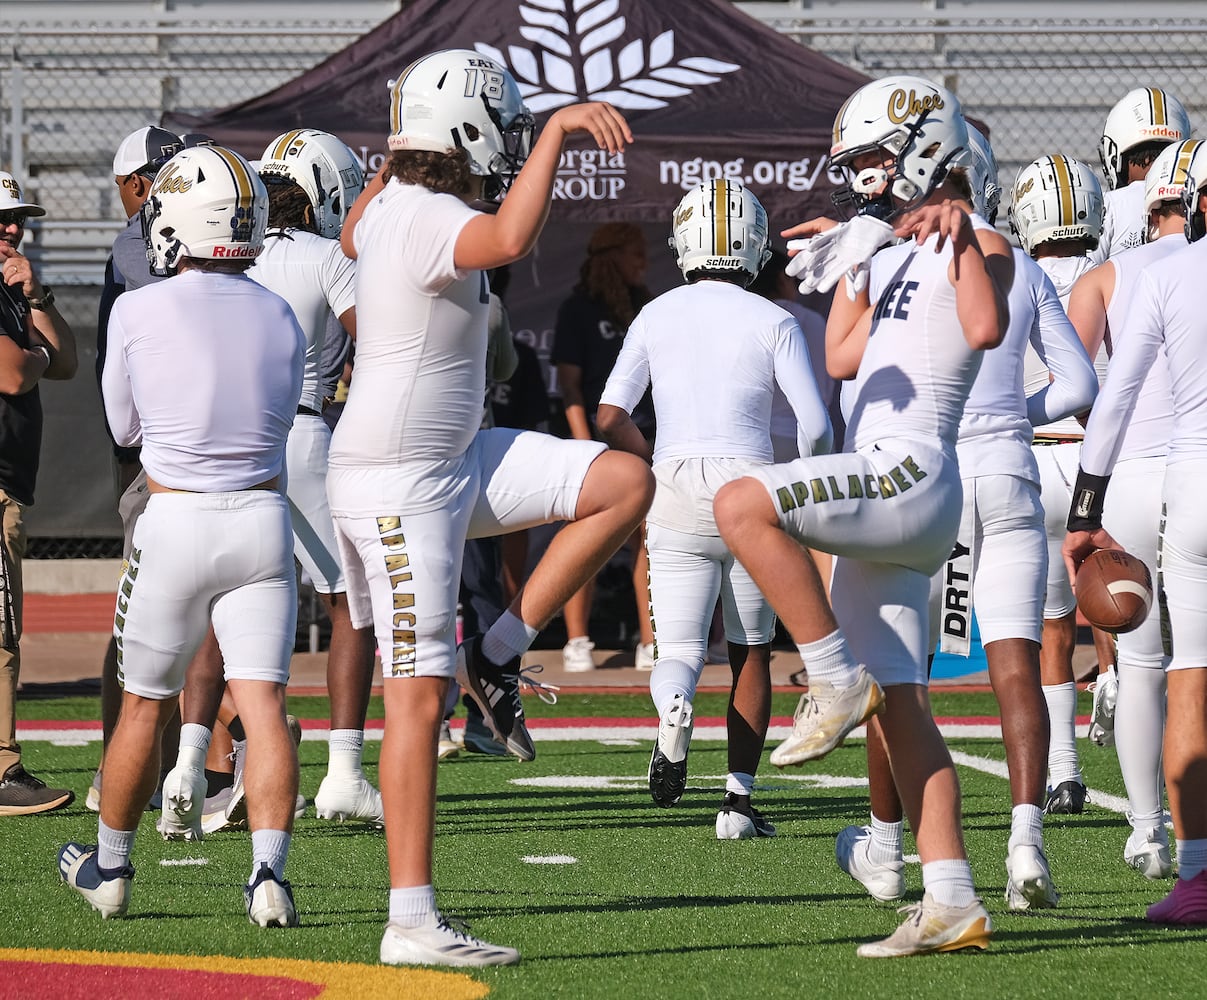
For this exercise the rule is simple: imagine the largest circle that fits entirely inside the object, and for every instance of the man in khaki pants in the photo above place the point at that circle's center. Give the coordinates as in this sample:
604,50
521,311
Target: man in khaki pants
35,343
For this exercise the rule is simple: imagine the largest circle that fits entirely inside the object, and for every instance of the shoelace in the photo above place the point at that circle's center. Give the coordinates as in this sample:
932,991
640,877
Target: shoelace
546,692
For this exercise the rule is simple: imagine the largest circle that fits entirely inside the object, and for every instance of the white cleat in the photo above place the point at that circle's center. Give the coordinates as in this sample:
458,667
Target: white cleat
1102,715
1028,880
825,716
930,927
884,880
269,900
107,892
438,943
1147,851
351,798
183,804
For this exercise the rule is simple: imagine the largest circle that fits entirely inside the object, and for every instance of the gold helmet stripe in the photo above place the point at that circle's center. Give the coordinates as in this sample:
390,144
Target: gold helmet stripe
836,136
242,178
1181,169
1156,98
396,97
1064,191
720,217
283,144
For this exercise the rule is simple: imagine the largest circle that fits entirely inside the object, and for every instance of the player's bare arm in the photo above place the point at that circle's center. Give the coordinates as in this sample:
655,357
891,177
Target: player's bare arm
982,268
1087,306
621,433
1079,545
494,240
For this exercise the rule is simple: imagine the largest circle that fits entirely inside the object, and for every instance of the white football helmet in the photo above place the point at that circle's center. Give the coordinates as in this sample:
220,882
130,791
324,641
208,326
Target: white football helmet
1167,176
1144,115
720,229
460,99
1056,198
918,123
1196,185
322,166
982,176
205,202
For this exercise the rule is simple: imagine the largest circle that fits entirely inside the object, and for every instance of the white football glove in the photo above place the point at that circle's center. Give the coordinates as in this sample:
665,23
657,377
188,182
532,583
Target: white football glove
825,258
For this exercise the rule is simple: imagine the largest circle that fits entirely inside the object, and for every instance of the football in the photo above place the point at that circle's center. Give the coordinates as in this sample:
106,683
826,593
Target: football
1114,590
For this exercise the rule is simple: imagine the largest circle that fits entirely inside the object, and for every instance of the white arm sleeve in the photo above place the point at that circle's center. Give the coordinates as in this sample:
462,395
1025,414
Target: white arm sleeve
120,410
1074,384
794,376
1129,367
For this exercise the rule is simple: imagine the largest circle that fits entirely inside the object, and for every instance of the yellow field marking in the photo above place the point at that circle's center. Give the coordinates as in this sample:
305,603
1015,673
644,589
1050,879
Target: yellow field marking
340,980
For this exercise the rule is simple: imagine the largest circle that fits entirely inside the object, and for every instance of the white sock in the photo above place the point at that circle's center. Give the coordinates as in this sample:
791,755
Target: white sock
669,678
1192,857
113,846
949,882
740,783
1062,744
1026,826
269,847
412,906
194,745
508,638
886,843
829,660
344,750
1139,725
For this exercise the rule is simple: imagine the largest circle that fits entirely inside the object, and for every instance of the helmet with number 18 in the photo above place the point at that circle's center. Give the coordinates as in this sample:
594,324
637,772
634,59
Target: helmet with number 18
461,99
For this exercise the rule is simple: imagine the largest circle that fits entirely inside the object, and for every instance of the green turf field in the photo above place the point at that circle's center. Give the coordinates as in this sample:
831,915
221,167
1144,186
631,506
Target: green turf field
652,905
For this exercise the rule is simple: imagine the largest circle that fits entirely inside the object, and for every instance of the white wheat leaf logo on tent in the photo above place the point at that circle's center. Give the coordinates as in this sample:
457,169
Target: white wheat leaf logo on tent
638,77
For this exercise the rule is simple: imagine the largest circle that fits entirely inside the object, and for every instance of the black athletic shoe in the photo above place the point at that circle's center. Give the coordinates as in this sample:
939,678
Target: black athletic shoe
739,820
496,689
1066,799
668,763
21,794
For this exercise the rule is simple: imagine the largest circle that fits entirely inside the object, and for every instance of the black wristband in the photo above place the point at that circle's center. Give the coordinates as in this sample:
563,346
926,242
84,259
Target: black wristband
1089,493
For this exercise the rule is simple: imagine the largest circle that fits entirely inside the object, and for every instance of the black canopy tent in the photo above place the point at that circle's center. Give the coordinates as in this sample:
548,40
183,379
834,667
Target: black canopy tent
707,89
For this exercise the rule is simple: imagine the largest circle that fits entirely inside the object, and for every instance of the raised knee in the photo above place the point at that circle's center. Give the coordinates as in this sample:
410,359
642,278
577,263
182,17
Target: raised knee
739,503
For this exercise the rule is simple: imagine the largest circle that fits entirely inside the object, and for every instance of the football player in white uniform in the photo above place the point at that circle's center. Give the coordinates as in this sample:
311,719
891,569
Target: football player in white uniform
204,370
889,506
1138,127
1056,212
999,560
1166,317
412,474
1098,307
744,347
303,263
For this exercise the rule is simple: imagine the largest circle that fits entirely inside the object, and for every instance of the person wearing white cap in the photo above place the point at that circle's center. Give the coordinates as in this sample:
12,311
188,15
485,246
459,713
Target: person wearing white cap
135,166
35,343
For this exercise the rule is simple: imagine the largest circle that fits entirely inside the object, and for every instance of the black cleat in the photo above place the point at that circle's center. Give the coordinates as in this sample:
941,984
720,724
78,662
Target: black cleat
496,689
668,763
1066,799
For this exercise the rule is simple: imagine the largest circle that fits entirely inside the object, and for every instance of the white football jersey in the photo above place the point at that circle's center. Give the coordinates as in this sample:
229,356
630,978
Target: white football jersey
1166,316
1152,419
204,371
421,332
316,279
917,368
1123,222
713,352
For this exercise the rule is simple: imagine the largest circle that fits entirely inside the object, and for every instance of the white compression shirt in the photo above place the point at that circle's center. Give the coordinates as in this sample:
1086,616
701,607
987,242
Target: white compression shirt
205,371
1063,273
1166,316
917,368
713,353
1123,222
1152,420
418,391
316,279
